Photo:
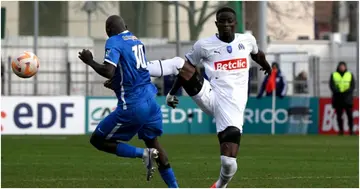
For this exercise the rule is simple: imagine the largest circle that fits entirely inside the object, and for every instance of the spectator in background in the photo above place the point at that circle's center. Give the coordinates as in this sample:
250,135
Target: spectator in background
274,81
300,85
342,85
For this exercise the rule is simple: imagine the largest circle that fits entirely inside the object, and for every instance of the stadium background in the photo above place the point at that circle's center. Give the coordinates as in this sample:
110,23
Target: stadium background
67,98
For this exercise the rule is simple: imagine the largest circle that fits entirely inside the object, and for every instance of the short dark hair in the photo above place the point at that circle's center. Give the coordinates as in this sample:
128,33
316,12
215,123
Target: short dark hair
275,64
225,9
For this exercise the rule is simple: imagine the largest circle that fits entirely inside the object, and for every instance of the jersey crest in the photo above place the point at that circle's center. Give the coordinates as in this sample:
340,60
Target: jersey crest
107,52
229,49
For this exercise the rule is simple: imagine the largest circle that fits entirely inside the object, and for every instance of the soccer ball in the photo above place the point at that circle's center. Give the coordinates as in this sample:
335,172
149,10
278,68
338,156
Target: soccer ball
26,65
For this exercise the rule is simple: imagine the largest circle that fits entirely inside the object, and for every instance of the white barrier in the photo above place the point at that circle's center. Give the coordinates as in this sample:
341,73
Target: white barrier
98,109
42,115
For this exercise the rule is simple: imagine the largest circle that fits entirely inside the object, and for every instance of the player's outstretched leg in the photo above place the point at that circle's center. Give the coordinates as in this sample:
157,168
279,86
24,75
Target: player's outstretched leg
229,146
164,168
111,129
121,149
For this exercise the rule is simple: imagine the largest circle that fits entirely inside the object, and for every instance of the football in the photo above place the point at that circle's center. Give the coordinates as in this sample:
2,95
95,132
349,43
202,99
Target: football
25,65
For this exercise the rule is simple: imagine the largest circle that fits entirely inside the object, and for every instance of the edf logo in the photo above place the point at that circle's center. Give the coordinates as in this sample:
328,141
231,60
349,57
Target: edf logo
45,115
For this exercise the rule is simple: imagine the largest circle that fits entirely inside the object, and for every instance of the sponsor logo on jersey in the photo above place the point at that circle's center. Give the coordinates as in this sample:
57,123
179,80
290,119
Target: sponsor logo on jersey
234,64
129,37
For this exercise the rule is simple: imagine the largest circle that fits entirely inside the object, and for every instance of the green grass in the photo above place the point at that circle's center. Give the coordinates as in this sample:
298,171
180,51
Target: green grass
264,161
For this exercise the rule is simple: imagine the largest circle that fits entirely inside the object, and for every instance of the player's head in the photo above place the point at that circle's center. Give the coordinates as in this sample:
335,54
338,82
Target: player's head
114,25
226,21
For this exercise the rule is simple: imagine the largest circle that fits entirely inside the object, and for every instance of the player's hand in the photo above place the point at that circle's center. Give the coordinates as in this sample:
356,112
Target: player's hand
267,71
108,83
172,101
86,56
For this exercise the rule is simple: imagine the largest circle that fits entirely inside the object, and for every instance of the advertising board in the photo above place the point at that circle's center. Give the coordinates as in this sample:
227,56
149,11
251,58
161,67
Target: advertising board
328,119
42,115
293,115
187,118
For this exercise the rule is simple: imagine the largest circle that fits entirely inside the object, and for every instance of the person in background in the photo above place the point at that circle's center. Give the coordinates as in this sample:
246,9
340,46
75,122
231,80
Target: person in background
273,81
301,86
342,85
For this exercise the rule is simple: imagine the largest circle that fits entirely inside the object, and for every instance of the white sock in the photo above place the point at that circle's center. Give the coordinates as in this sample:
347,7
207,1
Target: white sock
228,170
159,68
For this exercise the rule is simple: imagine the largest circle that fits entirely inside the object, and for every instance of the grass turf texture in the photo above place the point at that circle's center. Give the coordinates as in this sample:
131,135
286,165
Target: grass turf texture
264,161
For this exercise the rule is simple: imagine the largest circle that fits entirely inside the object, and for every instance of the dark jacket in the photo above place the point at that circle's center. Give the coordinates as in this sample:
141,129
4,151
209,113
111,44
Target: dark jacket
301,86
345,98
281,86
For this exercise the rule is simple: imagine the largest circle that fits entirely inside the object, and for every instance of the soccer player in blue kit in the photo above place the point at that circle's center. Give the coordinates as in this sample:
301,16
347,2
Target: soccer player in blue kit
137,111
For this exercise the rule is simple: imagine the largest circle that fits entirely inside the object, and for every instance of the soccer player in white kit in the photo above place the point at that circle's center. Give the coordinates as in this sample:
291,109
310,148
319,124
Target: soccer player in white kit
226,58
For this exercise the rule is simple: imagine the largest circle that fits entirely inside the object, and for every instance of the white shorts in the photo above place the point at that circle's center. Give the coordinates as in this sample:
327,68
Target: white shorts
224,110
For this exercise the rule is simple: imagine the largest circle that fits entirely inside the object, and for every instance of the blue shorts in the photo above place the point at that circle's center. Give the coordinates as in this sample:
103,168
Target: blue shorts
144,119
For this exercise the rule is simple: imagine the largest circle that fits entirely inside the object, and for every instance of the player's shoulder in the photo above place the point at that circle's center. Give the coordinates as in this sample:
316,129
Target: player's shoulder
206,42
244,36
113,40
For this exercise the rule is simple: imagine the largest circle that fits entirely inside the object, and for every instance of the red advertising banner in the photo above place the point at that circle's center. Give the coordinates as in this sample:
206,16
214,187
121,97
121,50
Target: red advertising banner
327,117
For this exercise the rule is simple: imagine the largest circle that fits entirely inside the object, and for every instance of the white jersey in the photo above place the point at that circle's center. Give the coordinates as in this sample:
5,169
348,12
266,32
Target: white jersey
227,67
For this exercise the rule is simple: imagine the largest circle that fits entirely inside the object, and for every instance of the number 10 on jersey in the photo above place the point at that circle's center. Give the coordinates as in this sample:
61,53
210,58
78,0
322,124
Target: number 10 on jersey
139,54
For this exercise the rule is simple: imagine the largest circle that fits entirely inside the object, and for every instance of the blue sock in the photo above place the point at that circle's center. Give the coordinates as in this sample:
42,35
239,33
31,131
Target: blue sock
169,177
126,150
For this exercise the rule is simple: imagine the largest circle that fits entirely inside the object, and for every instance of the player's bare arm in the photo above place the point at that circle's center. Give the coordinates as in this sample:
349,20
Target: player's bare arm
260,59
106,70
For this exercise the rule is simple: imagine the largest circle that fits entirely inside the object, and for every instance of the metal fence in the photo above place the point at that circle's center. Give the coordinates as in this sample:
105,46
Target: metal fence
62,73
292,64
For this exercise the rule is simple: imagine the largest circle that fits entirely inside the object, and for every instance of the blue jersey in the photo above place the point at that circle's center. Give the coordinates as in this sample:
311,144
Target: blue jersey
131,81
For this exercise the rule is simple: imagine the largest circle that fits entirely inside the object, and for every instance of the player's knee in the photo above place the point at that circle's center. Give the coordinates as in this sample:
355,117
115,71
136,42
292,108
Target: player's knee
179,62
228,165
96,141
230,134
194,84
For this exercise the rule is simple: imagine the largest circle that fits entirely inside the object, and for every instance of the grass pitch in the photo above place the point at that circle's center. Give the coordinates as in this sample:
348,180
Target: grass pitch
264,161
